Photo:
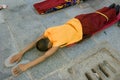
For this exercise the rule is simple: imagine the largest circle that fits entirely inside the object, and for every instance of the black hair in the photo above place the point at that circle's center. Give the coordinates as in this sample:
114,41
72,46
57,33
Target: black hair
42,44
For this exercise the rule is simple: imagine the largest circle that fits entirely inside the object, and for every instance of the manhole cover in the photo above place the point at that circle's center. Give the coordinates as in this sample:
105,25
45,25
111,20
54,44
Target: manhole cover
100,66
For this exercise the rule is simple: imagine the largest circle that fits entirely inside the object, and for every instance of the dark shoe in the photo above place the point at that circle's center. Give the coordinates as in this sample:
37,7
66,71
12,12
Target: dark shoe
112,5
117,7
119,23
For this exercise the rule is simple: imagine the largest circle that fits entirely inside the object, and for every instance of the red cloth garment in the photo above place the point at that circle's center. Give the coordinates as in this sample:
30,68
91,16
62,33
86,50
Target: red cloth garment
93,22
110,23
41,7
48,6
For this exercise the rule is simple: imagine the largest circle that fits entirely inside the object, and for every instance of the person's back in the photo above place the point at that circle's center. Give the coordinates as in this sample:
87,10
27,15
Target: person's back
65,34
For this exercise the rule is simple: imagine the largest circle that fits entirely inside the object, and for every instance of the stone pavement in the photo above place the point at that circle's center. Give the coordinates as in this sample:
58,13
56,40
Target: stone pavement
20,25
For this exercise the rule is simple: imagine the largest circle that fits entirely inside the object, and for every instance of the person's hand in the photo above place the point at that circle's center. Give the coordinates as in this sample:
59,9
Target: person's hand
16,58
19,69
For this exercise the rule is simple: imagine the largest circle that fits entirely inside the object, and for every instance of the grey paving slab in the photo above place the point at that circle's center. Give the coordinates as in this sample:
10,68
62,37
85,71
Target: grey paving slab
4,75
7,47
53,77
21,77
32,54
78,9
62,74
13,3
53,63
67,74
97,4
73,51
31,2
2,20
111,35
25,27
102,3
114,1
54,19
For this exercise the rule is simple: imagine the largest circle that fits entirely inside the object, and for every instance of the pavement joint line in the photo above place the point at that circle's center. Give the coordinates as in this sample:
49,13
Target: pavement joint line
13,37
96,41
29,75
66,58
53,72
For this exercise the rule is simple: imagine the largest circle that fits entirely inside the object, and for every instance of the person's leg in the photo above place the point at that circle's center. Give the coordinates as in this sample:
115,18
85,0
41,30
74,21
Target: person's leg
111,14
111,11
100,20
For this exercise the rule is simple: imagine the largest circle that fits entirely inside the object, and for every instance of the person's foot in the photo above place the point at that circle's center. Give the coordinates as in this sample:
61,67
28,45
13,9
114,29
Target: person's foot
119,23
112,5
117,7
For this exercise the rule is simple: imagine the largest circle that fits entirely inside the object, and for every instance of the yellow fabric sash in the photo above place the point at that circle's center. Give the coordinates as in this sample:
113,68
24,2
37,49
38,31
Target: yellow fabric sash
103,15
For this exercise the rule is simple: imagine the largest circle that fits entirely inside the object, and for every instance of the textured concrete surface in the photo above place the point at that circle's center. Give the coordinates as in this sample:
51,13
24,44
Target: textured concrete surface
20,25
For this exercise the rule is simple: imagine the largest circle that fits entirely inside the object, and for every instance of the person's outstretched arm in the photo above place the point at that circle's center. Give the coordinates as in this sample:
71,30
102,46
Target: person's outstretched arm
18,56
31,45
23,67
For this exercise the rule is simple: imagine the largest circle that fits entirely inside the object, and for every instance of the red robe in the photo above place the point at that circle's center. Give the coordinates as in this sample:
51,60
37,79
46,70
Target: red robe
94,22
47,4
50,5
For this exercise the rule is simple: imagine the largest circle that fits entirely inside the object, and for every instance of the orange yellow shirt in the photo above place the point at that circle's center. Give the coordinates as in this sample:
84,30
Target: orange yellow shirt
66,34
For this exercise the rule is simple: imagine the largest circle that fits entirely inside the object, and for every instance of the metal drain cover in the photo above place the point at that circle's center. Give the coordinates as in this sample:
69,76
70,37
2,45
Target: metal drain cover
100,66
